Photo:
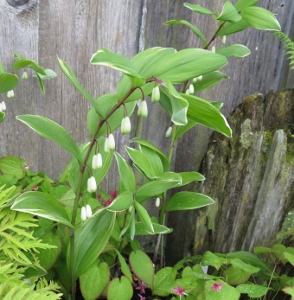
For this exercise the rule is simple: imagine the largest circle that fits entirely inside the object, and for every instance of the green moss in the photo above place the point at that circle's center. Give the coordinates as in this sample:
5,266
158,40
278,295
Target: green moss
246,137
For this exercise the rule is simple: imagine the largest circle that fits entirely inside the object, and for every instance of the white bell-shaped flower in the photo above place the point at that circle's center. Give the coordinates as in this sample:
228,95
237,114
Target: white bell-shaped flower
88,211
91,185
143,109
126,125
83,214
111,142
155,96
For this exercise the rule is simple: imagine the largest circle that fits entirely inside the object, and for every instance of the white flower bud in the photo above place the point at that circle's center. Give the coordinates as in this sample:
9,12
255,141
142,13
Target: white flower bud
97,161
125,125
187,92
169,131
106,148
157,202
91,185
88,211
224,39
155,96
111,142
195,79
199,78
10,94
143,109
213,49
83,214
191,88
3,106
24,75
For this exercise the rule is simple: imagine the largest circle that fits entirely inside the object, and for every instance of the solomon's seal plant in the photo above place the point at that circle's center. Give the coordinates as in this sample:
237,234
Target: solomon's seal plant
96,232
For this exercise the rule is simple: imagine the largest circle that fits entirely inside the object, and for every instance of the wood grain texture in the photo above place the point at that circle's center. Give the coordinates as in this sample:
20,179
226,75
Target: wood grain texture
74,30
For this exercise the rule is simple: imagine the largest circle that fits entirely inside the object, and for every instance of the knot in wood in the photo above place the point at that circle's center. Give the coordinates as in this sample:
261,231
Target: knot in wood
16,3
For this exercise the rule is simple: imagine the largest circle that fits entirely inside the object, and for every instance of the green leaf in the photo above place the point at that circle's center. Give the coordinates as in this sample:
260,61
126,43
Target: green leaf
91,238
203,112
253,290
235,275
236,50
188,200
23,63
144,217
7,82
142,267
230,28
115,61
162,280
94,281
52,131
241,4
158,229
260,18
73,80
2,116
41,204
48,257
226,291
126,173
148,144
289,291
198,8
289,255
192,27
155,188
122,202
187,64
211,259
124,267
120,288
188,177
179,106
12,165
209,80
41,84
141,162
229,13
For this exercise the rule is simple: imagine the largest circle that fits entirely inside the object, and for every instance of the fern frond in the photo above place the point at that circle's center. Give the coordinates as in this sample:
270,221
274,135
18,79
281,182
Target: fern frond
16,239
288,46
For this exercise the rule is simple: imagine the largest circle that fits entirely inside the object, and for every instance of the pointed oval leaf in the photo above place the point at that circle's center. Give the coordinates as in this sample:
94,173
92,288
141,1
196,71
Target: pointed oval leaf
7,82
122,202
188,200
126,173
229,13
91,238
198,8
188,177
12,165
115,61
195,29
241,4
260,18
52,131
148,144
253,290
162,281
158,229
124,266
94,281
187,64
155,188
41,204
205,113
230,28
141,162
23,63
142,266
209,80
120,288
144,217
236,50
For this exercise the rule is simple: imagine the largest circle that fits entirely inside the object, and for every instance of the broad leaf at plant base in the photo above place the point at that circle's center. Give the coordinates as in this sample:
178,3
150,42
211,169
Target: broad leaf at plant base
120,286
142,267
94,280
52,131
42,204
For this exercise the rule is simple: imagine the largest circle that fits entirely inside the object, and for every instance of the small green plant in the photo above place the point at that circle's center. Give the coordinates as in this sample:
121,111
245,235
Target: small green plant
93,231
